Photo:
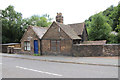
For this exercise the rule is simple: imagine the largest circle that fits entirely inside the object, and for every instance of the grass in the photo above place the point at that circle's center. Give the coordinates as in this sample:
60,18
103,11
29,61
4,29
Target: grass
36,54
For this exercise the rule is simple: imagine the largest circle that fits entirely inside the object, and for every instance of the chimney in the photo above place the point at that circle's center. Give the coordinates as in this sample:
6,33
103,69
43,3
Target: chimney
59,18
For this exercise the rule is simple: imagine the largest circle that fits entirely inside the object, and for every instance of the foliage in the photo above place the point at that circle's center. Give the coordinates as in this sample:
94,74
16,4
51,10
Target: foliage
112,16
118,37
36,54
11,25
118,26
99,29
112,38
35,20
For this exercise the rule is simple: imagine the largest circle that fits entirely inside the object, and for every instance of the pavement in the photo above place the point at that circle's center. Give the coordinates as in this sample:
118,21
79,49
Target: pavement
100,61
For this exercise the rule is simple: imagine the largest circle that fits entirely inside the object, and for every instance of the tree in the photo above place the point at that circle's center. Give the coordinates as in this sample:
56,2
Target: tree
99,29
35,20
11,25
118,37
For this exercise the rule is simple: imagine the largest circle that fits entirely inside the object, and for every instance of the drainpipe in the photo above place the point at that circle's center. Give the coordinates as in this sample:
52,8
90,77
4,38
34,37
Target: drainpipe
40,47
72,48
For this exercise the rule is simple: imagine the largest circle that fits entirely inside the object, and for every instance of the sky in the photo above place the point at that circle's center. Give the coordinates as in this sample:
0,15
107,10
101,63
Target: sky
73,11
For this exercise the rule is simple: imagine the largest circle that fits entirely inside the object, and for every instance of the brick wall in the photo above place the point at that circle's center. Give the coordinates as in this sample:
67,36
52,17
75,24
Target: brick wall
96,50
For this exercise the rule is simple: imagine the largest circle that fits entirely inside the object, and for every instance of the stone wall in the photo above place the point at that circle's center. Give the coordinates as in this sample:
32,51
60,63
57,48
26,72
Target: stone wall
111,50
65,48
96,50
17,50
26,37
87,50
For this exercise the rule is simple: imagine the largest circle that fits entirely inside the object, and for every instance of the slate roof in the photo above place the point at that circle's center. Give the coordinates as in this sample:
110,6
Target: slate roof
40,31
69,31
78,28
72,30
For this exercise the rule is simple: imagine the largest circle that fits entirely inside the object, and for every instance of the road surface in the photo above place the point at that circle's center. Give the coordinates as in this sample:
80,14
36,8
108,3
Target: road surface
23,68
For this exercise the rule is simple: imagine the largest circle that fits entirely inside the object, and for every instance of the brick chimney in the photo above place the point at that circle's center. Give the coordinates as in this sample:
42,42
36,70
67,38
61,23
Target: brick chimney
59,18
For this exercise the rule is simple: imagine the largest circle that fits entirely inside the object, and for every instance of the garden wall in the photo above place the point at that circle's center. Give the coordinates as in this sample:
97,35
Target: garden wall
85,50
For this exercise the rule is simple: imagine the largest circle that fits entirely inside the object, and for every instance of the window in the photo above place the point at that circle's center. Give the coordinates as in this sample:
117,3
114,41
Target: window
55,45
27,45
76,41
58,29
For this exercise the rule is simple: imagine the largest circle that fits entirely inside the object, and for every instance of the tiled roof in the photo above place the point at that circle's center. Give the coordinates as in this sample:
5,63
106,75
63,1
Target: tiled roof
78,28
69,31
40,31
72,30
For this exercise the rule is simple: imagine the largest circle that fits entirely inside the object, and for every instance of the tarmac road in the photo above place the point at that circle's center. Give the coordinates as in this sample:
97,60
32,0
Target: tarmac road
23,68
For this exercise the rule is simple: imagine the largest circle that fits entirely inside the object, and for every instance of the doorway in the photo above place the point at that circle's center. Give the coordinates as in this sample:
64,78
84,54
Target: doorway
36,46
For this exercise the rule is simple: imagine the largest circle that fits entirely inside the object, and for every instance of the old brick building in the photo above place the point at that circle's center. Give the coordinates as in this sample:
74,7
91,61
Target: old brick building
58,39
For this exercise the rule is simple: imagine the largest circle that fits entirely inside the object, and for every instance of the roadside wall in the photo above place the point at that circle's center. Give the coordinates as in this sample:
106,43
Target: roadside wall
87,50
96,50
111,50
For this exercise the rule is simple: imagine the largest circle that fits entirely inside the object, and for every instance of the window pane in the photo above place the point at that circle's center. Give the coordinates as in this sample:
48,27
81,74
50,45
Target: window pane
53,45
58,46
28,48
28,44
24,43
24,48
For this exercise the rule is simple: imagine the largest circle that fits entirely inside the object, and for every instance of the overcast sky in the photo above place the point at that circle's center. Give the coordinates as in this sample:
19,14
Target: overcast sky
74,11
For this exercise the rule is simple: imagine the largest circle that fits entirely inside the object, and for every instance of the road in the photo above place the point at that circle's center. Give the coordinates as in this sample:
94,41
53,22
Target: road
23,68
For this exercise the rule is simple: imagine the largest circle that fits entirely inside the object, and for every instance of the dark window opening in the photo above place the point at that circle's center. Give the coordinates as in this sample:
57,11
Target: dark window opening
76,41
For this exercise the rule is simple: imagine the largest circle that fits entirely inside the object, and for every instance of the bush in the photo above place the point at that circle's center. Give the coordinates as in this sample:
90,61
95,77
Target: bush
112,39
118,37
36,54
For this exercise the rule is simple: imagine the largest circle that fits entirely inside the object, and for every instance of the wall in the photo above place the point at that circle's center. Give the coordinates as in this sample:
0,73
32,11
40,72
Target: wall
4,49
111,50
56,33
84,35
87,50
29,33
65,48
96,50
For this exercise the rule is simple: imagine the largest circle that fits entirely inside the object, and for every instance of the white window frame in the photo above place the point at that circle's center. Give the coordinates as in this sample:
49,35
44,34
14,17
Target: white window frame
27,46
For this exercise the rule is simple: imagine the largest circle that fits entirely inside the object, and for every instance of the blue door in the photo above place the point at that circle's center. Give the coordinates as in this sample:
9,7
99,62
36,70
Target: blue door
36,46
